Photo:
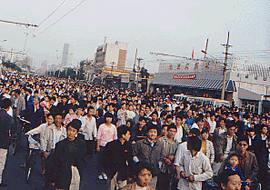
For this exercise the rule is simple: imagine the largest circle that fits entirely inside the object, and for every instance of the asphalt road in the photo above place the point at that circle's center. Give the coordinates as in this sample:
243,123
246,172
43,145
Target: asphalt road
15,176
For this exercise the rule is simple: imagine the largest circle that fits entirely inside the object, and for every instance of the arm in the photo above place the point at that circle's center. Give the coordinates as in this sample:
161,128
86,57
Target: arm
207,171
254,167
212,153
37,130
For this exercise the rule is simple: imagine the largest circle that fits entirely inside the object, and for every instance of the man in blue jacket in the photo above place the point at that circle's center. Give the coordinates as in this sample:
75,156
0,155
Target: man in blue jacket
6,122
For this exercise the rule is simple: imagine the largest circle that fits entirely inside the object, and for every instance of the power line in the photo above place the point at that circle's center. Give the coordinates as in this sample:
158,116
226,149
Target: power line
62,17
20,23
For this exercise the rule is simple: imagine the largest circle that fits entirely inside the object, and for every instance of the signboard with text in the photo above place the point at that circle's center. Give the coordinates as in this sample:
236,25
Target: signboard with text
190,76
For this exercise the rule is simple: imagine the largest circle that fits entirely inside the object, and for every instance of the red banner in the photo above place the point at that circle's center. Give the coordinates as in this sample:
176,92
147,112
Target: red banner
191,76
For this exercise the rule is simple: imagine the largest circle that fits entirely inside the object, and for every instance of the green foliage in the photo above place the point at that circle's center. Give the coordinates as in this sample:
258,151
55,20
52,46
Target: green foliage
11,65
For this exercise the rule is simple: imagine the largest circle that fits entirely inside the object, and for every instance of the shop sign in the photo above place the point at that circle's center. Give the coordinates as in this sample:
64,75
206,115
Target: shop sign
190,76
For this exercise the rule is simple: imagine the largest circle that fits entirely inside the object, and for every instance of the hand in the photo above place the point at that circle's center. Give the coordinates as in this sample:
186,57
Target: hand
183,174
248,181
45,154
53,184
167,161
222,158
80,130
98,149
191,178
178,176
171,157
247,187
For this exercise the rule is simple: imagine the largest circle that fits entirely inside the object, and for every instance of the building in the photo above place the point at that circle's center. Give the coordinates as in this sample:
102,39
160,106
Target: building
247,87
65,61
112,55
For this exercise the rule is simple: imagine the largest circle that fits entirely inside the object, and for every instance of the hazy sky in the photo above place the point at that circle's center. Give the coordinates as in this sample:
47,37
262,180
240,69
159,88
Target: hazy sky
172,26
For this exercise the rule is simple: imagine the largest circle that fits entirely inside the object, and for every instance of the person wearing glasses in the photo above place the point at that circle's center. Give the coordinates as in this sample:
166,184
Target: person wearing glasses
247,161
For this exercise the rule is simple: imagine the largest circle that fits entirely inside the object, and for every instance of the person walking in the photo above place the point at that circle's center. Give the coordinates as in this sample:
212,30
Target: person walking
69,159
6,122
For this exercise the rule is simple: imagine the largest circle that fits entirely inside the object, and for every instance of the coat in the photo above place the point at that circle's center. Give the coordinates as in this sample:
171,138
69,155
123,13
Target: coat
221,145
6,122
64,158
132,186
146,153
117,158
36,118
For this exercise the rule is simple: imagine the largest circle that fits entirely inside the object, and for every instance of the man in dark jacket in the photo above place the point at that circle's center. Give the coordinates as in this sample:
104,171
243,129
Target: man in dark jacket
69,159
150,150
34,113
6,122
117,159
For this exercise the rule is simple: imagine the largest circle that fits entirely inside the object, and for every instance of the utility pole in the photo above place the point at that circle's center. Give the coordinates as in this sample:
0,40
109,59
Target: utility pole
206,46
136,52
225,66
138,72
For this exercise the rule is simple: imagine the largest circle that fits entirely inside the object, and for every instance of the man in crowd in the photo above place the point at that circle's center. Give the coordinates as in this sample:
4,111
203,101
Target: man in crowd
150,150
6,122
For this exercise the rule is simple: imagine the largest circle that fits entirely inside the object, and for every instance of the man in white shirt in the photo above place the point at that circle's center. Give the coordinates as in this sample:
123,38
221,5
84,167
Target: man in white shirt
181,133
194,166
89,130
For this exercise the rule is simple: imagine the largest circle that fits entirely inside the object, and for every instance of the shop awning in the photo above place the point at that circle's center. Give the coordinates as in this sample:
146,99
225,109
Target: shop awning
248,95
209,84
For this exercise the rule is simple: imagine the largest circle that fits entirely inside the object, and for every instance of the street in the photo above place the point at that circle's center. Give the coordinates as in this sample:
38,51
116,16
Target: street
15,176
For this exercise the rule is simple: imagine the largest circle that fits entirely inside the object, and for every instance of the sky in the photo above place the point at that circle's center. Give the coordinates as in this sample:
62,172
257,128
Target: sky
172,26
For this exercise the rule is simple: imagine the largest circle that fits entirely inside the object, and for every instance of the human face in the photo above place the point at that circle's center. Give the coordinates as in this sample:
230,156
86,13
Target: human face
172,132
178,121
233,161
144,178
205,136
58,119
126,136
71,111
231,131
152,134
142,123
234,183
212,118
154,117
222,123
264,130
50,120
242,146
71,133
35,102
164,131
90,112
109,120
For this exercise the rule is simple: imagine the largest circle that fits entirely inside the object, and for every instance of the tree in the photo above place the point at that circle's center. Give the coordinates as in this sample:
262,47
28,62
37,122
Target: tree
11,65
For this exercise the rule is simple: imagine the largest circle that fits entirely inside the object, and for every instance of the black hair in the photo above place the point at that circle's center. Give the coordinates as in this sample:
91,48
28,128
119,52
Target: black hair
90,108
52,98
108,115
204,130
194,143
75,123
50,115
250,129
243,138
142,118
172,126
165,125
223,178
231,155
195,131
169,117
100,112
151,126
5,103
122,130
58,113
138,167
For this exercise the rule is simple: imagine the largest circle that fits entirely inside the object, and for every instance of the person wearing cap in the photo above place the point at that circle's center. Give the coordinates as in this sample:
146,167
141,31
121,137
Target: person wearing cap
69,159
107,132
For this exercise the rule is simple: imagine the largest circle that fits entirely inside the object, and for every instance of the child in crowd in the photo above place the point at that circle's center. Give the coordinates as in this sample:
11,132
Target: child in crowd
233,161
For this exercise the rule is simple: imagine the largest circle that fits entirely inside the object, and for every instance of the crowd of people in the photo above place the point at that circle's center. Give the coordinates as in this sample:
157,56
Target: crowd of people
142,140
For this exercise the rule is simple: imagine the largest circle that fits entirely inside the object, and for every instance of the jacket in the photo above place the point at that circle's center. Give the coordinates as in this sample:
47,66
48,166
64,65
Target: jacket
146,153
6,122
221,145
47,143
36,118
117,158
64,158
